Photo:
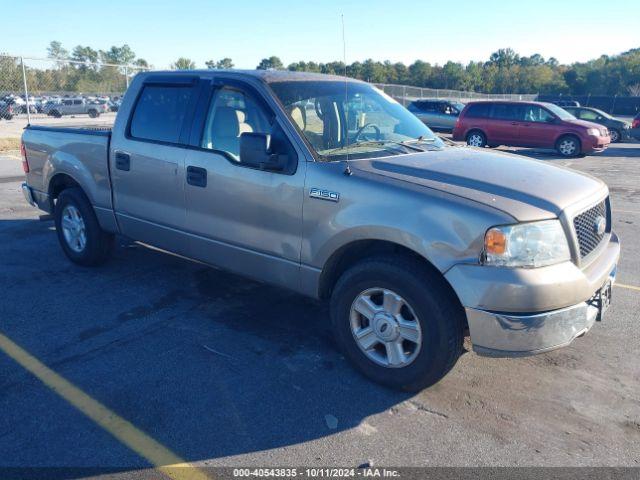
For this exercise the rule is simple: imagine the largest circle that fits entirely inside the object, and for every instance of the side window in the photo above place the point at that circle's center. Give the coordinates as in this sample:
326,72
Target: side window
506,111
478,110
588,115
232,113
535,113
160,112
429,107
68,102
77,102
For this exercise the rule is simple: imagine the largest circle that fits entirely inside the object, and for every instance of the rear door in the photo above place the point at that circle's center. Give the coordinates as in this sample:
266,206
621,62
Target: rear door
147,162
503,127
243,219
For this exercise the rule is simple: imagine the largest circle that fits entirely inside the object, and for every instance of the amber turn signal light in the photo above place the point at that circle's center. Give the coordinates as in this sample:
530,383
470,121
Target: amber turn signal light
495,242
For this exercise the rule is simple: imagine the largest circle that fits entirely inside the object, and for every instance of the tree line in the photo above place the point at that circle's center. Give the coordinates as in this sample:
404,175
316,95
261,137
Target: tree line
504,72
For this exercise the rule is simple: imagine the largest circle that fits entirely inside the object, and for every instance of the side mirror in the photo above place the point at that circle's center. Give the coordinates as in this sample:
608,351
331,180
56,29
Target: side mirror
551,120
255,152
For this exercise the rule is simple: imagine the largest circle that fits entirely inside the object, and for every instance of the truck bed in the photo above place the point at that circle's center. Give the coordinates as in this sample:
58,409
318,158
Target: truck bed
80,152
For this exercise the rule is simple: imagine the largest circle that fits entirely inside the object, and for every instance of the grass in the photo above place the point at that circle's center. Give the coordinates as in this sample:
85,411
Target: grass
7,144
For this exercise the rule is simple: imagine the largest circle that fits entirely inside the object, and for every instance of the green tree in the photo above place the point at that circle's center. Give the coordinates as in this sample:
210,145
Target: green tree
118,55
55,50
271,63
224,64
184,64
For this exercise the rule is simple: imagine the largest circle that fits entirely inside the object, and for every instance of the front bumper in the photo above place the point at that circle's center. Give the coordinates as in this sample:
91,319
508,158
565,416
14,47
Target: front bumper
515,335
596,144
517,312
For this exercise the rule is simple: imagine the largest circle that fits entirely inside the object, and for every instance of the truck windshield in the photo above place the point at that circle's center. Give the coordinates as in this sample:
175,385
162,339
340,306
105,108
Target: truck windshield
354,118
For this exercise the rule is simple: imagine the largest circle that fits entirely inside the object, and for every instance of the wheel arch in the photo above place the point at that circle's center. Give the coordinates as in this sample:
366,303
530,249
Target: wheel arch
350,254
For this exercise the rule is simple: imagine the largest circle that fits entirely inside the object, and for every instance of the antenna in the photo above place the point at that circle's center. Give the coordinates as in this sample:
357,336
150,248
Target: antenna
347,170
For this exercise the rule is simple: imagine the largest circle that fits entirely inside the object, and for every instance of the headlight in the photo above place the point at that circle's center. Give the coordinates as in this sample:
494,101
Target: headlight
595,132
534,244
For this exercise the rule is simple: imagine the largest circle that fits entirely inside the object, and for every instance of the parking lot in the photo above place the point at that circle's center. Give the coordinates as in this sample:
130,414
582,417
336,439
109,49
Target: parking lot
220,370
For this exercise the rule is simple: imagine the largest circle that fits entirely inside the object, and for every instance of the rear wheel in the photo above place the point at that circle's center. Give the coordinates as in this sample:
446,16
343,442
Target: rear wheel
569,146
56,114
615,136
93,113
397,322
79,234
476,139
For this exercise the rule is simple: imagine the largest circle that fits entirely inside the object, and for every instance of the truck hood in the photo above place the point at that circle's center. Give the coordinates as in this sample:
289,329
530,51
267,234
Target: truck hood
524,188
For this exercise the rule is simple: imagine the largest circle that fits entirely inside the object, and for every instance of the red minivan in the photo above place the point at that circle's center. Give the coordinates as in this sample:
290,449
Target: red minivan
529,124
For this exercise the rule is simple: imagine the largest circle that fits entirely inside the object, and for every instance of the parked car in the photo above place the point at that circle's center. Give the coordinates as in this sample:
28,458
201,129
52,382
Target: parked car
6,110
635,127
618,129
410,240
529,124
49,105
566,103
440,115
76,106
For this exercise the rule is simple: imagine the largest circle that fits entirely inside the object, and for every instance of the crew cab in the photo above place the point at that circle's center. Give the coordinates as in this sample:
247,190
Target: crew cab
529,124
328,187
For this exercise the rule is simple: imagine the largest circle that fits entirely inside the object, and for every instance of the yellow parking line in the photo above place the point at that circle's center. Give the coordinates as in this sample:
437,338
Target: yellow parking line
163,459
630,287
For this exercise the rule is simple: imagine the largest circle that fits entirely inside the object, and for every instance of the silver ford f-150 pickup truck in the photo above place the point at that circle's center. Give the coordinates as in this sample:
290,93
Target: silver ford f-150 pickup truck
328,187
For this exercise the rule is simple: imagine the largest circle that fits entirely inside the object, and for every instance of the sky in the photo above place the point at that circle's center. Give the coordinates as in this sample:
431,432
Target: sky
160,31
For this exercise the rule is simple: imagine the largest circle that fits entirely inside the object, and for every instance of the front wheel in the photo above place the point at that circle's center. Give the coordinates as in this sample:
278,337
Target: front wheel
93,113
397,322
568,146
79,233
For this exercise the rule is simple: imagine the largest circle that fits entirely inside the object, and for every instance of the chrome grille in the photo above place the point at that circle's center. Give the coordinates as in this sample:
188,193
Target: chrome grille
586,229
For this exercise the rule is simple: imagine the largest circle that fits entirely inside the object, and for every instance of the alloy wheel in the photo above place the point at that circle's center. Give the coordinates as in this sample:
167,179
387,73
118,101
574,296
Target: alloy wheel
73,229
385,327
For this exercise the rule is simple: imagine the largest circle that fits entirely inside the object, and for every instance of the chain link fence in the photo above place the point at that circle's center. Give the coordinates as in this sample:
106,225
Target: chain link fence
405,94
59,91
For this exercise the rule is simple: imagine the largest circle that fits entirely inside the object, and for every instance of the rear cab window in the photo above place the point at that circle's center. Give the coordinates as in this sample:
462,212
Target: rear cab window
160,112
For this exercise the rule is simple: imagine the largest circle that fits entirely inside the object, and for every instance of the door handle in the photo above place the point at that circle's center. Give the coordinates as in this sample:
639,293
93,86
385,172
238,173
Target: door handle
123,161
196,176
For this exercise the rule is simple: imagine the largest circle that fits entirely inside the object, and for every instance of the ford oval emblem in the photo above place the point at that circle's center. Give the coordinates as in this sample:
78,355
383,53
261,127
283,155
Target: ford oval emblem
600,225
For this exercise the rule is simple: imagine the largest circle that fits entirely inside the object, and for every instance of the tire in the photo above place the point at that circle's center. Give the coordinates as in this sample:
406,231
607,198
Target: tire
427,303
56,114
94,113
76,220
569,146
616,136
476,138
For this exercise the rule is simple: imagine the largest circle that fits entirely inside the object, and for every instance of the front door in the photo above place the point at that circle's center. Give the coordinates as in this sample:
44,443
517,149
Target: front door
243,219
538,128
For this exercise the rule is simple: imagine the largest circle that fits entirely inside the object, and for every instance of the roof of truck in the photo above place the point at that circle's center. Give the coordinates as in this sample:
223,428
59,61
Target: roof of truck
269,76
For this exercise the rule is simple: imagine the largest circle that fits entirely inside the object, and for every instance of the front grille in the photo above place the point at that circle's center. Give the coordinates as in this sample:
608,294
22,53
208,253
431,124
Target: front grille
587,230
